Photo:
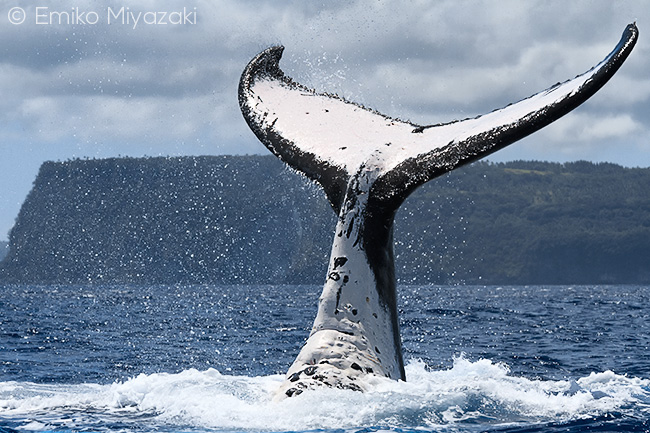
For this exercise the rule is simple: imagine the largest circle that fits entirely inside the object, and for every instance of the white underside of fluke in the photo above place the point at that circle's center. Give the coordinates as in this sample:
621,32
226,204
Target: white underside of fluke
347,135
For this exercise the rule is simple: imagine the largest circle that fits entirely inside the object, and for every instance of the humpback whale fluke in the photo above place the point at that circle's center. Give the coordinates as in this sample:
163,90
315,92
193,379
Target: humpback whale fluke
368,164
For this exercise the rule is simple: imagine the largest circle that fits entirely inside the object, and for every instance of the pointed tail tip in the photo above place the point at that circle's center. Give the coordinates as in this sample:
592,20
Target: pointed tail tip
268,61
265,64
632,31
272,53
280,48
629,39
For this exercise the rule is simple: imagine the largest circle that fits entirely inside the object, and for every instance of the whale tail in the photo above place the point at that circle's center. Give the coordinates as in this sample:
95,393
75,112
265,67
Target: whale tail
328,138
368,164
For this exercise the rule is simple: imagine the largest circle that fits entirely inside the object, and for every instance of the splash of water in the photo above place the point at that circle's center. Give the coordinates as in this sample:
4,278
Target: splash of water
469,394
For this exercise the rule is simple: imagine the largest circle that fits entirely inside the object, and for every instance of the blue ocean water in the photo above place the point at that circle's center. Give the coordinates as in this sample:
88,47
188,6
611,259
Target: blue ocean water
207,359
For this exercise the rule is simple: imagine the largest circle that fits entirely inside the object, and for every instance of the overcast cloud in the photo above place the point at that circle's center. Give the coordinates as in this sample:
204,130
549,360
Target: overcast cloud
100,90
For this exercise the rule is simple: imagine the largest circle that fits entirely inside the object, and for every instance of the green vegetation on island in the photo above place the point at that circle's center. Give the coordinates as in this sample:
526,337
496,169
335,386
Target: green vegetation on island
250,220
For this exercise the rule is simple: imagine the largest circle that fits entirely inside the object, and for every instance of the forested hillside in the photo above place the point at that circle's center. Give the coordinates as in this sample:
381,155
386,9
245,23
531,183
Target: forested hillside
232,219
531,223
247,219
3,249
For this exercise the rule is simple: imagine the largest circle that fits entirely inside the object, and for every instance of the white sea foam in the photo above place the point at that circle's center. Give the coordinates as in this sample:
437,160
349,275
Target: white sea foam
470,392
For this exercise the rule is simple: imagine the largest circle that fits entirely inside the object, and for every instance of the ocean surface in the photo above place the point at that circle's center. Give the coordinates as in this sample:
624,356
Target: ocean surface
208,358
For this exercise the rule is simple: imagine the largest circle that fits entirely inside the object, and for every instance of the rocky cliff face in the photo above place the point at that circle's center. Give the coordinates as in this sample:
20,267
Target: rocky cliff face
249,220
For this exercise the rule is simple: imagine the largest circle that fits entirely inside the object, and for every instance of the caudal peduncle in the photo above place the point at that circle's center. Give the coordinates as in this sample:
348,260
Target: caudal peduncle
356,332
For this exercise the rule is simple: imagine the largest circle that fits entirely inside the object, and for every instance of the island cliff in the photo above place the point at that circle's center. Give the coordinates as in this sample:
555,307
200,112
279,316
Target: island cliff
249,220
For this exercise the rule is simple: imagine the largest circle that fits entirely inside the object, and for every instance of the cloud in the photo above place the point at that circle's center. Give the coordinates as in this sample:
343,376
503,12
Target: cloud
580,127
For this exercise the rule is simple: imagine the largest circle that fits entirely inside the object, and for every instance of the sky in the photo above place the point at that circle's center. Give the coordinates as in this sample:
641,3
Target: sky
80,79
